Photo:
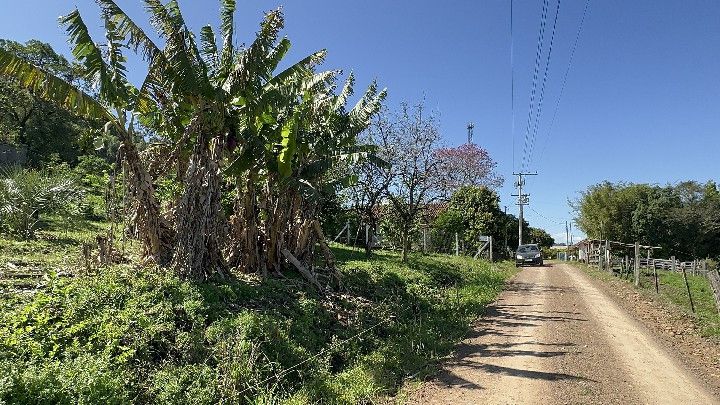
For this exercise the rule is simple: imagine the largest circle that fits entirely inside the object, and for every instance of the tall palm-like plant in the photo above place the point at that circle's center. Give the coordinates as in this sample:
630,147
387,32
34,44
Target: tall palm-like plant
220,111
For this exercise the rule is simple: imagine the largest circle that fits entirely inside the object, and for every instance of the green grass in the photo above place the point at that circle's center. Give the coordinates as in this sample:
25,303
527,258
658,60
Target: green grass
672,288
673,293
57,248
125,334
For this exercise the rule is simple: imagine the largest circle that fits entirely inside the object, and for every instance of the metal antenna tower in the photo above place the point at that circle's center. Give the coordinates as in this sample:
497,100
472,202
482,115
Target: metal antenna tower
470,128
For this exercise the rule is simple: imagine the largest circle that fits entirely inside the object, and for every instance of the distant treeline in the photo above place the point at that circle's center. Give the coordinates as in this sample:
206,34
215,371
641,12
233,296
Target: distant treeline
683,219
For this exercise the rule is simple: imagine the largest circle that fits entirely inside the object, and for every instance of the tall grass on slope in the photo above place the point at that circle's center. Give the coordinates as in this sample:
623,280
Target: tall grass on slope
130,335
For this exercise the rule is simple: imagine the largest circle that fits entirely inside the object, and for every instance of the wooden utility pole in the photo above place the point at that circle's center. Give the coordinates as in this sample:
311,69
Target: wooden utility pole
567,242
523,200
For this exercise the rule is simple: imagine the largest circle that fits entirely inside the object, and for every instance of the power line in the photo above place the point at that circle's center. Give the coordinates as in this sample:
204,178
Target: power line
564,81
552,221
538,55
512,83
538,110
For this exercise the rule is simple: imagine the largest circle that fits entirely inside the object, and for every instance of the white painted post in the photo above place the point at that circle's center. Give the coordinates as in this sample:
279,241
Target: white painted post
491,252
457,244
424,239
367,235
637,264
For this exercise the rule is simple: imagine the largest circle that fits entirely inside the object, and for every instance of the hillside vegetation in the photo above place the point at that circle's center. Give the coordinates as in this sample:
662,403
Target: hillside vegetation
123,335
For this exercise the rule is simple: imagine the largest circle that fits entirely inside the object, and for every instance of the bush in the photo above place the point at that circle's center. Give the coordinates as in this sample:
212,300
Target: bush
26,195
92,173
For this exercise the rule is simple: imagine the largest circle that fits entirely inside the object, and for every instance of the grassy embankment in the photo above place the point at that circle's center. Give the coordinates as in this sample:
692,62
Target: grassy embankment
673,293
125,334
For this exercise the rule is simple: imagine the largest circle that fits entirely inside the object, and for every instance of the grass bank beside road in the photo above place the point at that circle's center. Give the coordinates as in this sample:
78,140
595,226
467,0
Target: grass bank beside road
129,335
673,294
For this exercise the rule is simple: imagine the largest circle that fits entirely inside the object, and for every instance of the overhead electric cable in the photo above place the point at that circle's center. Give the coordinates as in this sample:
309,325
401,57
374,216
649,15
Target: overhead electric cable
512,84
538,55
538,110
565,77
553,221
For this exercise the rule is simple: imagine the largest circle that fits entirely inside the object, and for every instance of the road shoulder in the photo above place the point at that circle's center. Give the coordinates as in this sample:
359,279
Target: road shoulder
671,327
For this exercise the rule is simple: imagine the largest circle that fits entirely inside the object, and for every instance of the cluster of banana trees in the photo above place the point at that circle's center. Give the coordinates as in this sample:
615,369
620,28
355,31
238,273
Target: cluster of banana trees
231,128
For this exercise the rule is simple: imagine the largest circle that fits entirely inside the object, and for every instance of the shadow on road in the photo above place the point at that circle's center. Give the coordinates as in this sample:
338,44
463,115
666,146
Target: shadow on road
513,321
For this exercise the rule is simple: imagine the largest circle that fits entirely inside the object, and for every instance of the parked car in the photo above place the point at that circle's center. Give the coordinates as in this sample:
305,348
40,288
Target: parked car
528,254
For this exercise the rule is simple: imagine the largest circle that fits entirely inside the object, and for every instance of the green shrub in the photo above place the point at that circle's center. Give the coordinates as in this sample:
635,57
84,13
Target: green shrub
26,195
93,174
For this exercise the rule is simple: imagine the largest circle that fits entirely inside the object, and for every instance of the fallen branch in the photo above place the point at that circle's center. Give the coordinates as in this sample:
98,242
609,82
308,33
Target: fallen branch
305,273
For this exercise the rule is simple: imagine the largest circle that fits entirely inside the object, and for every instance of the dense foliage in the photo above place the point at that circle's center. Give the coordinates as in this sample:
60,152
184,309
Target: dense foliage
126,336
683,219
44,128
246,151
474,211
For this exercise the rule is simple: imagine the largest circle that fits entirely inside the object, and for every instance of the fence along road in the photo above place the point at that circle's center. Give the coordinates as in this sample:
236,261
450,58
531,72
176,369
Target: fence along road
554,337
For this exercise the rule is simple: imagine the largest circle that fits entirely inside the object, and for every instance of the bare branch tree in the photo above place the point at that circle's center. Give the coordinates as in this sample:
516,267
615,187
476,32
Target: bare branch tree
410,148
373,177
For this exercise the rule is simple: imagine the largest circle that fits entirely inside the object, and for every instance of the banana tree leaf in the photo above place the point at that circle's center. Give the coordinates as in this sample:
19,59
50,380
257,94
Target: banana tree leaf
289,146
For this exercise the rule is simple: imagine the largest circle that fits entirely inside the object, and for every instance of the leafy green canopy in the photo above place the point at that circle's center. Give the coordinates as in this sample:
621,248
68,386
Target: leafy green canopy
26,120
214,110
683,219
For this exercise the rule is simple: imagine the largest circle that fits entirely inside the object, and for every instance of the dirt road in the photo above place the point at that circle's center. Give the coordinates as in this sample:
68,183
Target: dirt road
554,337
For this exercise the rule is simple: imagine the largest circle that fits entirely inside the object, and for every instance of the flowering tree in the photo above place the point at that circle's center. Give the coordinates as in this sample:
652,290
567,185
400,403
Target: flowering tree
465,165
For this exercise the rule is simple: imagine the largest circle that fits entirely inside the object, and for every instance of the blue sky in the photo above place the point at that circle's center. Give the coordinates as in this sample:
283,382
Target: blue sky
641,104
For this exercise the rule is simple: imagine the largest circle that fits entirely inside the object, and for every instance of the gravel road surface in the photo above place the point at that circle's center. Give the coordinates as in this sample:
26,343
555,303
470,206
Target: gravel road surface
554,337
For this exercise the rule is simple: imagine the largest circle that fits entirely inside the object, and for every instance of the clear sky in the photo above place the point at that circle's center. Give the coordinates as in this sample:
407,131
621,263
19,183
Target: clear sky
641,104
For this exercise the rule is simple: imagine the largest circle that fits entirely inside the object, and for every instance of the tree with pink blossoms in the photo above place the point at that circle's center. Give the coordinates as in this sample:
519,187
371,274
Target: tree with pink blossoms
465,165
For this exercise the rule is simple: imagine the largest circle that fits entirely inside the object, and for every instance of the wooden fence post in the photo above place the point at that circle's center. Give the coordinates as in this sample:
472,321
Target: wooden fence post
347,230
457,244
657,284
608,257
625,267
637,264
714,278
687,286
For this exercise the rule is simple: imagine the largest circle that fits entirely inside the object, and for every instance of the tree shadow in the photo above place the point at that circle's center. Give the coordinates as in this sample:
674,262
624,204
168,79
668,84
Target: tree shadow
535,375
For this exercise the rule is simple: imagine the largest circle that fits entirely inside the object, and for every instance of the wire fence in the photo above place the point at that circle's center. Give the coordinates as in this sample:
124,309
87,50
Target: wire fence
424,238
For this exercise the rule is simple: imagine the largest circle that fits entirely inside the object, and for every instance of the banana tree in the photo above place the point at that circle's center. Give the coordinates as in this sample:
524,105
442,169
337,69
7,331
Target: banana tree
302,130
220,113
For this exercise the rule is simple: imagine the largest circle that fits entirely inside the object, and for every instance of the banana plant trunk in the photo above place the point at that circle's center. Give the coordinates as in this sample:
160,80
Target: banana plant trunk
155,233
198,217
